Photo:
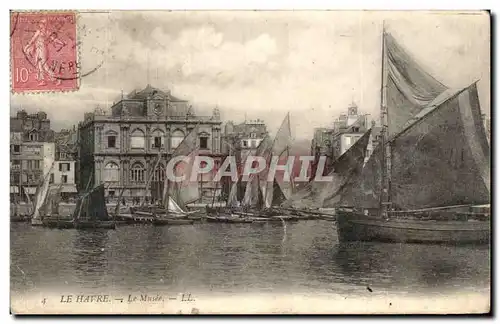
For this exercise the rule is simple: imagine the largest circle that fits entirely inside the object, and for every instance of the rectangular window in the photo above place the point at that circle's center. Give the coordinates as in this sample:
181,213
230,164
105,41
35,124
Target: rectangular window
347,141
16,148
244,143
111,141
16,178
37,164
111,193
157,142
253,135
203,142
51,178
31,178
64,179
64,167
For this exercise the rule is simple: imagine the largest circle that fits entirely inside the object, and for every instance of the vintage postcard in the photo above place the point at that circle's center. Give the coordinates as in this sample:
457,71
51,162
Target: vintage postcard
250,162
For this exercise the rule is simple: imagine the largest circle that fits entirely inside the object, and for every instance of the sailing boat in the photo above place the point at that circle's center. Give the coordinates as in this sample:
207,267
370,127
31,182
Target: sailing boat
171,213
173,196
431,168
91,211
262,197
280,189
40,198
51,208
326,194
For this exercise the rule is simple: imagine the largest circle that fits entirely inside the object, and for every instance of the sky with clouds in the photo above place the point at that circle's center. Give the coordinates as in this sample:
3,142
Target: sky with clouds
257,64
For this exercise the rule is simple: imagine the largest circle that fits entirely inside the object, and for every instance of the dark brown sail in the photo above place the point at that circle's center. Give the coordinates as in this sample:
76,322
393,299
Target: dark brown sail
443,159
408,88
95,205
364,188
327,194
347,166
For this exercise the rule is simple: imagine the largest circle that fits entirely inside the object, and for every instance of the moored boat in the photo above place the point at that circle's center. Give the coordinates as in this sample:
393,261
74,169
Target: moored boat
55,222
172,221
353,226
95,224
91,212
431,167
42,200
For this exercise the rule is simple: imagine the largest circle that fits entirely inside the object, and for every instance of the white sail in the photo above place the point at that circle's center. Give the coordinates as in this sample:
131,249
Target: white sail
173,207
232,200
280,148
186,147
41,195
187,191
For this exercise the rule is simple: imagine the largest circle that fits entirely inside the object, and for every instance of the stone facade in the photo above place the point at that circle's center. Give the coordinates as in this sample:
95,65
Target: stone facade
65,168
241,140
347,129
121,148
32,152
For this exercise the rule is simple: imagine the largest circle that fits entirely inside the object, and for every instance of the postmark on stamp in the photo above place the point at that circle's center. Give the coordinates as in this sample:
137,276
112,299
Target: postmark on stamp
44,52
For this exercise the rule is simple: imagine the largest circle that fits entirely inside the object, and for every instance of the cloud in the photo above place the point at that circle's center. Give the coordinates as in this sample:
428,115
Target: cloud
264,64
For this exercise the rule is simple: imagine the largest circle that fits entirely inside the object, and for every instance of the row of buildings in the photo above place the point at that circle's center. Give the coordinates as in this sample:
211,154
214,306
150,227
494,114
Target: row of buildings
35,149
121,147
334,141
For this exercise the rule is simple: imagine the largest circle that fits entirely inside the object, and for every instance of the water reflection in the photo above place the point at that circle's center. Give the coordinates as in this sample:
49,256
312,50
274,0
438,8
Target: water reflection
236,258
412,267
90,256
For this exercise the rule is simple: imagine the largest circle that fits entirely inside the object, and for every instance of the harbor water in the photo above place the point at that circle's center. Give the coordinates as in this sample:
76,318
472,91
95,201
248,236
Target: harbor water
302,257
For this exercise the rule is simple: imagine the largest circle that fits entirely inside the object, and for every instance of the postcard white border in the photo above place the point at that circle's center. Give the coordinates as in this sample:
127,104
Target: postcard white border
185,4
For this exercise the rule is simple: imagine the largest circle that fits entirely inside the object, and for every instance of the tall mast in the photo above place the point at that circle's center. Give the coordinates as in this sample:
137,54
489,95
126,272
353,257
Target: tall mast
384,197
150,177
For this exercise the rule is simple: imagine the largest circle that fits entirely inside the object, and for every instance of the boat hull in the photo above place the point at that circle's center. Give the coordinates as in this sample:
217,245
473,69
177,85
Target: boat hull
95,225
163,222
58,223
353,226
36,222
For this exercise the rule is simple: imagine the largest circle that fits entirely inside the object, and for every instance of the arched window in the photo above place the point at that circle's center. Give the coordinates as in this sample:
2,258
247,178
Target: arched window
176,138
111,172
157,139
137,173
34,136
137,139
159,174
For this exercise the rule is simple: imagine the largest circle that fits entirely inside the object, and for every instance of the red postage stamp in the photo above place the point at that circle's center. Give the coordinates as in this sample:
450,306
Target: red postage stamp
44,51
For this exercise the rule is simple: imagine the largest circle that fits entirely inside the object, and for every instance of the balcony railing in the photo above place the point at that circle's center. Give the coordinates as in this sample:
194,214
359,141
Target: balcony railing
105,117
